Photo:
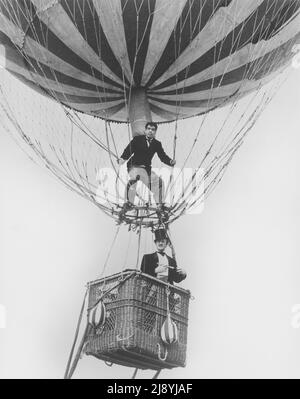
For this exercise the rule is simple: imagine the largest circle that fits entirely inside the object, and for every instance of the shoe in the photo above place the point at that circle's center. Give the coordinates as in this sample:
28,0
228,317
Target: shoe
127,206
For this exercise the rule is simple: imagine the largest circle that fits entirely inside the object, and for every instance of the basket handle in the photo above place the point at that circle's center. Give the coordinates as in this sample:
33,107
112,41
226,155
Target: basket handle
162,359
109,364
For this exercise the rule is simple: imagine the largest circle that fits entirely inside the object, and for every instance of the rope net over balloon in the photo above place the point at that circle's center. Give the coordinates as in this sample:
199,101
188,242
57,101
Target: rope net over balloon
81,147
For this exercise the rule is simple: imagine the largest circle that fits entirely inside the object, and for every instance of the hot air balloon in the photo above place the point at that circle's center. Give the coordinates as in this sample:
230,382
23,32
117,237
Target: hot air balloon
102,69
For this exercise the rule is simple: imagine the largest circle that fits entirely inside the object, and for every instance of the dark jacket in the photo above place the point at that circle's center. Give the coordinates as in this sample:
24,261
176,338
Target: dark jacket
150,262
139,153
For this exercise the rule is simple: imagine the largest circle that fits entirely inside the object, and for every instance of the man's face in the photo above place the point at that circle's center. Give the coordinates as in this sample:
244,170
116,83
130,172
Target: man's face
161,245
150,132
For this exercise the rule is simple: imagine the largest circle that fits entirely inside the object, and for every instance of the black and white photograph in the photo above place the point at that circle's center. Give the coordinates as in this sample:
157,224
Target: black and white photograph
150,191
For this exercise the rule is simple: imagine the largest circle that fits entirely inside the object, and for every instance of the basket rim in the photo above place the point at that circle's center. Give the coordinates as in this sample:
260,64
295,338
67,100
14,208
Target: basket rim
136,272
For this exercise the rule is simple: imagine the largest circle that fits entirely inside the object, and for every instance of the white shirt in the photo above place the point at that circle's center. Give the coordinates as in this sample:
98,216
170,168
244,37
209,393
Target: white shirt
163,261
149,142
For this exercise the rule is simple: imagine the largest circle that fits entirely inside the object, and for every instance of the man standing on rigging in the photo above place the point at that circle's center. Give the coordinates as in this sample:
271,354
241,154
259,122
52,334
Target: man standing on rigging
139,154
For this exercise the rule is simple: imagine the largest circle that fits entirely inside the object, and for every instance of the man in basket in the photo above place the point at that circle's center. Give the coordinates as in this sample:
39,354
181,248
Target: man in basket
159,264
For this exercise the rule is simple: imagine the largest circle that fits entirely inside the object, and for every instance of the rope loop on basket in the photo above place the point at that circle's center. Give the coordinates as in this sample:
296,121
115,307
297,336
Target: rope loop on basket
162,358
124,339
122,281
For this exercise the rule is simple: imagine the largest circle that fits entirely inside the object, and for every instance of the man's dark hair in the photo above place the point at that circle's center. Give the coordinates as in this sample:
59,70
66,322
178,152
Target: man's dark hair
153,124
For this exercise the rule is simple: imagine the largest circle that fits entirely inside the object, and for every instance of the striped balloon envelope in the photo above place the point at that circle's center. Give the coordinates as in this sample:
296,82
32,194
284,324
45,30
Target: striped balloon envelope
186,57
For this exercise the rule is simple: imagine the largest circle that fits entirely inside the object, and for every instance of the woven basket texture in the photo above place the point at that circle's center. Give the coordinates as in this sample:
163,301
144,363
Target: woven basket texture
136,308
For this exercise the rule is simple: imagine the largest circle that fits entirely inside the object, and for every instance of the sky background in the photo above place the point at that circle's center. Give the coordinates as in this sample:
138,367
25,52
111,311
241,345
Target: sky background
242,256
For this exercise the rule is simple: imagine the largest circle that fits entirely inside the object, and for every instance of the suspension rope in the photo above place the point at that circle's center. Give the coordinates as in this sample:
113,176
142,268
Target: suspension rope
139,245
110,250
67,372
156,374
135,373
127,252
171,244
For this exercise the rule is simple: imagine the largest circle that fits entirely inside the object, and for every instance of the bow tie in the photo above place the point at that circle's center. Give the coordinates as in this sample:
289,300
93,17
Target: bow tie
161,253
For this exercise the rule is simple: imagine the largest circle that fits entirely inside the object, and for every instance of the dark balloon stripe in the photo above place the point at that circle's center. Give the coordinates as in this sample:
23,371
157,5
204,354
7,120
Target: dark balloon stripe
188,115
274,60
109,112
137,26
91,30
82,99
5,40
209,102
194,17
254,70
18,12
163,113
241,36
59,77
62,97
39,32
287,13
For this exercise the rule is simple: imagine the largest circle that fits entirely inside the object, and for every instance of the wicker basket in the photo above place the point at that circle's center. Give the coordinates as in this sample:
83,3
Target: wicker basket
136,307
